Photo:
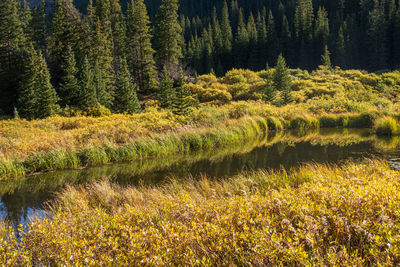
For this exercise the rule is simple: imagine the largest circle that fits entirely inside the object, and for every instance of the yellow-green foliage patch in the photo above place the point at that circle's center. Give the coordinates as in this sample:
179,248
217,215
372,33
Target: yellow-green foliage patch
317,215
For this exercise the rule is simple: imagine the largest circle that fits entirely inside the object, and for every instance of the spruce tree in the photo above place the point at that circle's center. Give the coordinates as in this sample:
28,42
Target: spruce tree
272,44
282,79
104,98
69,87
47,98
183,97
325,58
39,26
12,47
226,31
241,43
88,97
167,34
66,30
27,90
140,53
166,91
126,100
321,31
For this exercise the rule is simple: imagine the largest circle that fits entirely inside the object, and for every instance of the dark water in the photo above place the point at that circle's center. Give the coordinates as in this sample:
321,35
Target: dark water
22,198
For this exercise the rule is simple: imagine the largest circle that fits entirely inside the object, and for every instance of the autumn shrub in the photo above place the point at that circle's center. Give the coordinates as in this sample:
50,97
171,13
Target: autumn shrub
316,215
387,126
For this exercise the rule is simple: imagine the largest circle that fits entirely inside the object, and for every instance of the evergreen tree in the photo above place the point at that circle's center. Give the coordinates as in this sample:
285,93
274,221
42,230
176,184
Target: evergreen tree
241,43
12,46
126,100
39,26
88,97
272,45
396,39
66,30
69,87
282,80
27,90
321,31
102,52
166,91
269,92
167,34
261,53
286,40
46,104
340,54
140,53
104,98
325,58
226,31
377,29
183,97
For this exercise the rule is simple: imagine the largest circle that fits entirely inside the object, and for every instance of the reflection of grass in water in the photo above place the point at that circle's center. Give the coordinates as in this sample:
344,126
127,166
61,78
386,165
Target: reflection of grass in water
387,143
127,172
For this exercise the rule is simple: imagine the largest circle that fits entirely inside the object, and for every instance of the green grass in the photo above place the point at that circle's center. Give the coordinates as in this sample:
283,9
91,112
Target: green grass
387,126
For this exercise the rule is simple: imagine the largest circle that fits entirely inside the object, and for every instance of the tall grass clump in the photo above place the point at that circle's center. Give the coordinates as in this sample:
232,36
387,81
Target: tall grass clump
387,126
363,120
316,215
11,168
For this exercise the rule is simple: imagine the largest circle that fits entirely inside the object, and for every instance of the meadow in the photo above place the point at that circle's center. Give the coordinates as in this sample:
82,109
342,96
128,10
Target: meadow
315,215
230,109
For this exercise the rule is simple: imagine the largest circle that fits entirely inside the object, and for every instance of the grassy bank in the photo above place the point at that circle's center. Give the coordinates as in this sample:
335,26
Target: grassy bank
317,215
70,143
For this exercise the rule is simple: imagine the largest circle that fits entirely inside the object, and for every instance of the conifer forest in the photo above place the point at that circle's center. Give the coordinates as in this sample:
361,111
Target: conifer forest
199,133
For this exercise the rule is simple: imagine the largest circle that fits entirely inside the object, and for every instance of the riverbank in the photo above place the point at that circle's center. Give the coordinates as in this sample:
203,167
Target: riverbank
315,215
69,143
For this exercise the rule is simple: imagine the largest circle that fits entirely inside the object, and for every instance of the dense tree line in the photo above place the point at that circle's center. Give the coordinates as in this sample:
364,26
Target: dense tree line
99,60
362,34
91,53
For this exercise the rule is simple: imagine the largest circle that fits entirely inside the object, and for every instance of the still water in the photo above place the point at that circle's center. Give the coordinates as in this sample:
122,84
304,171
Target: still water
20,199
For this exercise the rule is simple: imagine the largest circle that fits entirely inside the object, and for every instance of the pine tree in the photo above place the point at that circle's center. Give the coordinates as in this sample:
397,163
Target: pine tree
126,100
286,40
167,34
12,47
396,39
166,91
102,52
88,97
39,26
325,58
47,98
321,32
183,97
66,30
69,87
140,53
282,80
27,90
340,54
272,45
104,98
241,43
226,31
269,92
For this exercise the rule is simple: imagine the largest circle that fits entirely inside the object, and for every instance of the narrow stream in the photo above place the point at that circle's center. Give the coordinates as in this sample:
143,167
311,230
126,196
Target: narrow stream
20,199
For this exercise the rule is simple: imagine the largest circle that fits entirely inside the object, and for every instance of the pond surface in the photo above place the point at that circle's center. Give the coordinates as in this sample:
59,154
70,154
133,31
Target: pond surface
20,199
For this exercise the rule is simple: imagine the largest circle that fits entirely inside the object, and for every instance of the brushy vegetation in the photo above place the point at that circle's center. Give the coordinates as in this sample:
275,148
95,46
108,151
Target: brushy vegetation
316,215
323,98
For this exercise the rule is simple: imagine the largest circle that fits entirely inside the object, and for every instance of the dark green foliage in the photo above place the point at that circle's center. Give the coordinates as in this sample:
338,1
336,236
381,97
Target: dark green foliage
103,96
269,91
140,53
46,96
126,100
69,87
166,91
12,46
87,97
27,90
282,80
167,34
183,97
325,58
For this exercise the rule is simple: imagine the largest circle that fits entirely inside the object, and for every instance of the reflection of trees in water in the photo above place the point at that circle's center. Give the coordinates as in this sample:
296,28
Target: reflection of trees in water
286,149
